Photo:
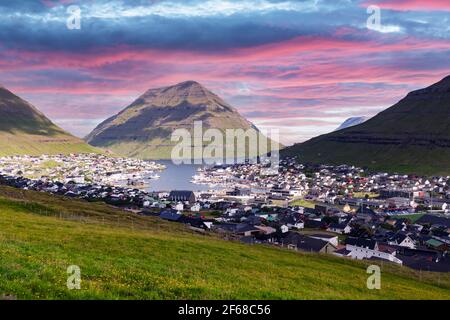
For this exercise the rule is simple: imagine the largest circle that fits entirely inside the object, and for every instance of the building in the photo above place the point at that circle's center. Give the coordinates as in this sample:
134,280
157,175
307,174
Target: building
368,249
180,195
343,228
334,240
304,243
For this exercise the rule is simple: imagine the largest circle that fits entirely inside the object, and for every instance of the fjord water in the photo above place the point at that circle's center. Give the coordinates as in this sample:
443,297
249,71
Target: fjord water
176,177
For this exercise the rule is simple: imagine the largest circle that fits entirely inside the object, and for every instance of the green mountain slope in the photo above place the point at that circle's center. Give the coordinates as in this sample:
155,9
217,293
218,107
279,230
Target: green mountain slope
25,130
132,257
413,136
144,128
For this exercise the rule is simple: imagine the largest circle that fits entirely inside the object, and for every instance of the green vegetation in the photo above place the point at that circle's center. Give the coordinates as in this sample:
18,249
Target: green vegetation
362,195
25,130
50,164
24,144
127,256
303,203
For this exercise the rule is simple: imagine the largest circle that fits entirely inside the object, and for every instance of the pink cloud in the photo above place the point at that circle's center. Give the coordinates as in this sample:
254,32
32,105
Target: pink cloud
318,69
407,5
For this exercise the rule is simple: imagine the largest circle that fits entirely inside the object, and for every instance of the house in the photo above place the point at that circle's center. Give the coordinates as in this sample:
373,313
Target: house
433,220
369,249
301,242
342,252
365,213
342,228
246,229
315,224
326,237
179,195
292,222
403,240
436,245
421,259
170,214
195,207
266,230
362,243
196,222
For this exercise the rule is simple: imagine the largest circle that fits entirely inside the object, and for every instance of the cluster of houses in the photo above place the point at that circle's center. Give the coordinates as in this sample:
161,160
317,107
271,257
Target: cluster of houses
360,234
354,215
81,168
393,194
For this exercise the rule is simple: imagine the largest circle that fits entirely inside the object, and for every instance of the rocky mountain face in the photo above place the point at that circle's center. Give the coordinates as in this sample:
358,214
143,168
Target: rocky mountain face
413,136
25,130
144,128
350,122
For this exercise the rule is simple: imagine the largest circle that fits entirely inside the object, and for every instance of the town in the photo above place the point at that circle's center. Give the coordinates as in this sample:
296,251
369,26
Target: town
82,168
343,210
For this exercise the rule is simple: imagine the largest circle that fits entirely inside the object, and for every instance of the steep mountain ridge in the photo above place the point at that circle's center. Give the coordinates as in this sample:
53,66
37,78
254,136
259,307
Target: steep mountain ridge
26,130
413,136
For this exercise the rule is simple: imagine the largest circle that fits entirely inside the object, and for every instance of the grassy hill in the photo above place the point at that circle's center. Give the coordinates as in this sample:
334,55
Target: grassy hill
21,144
25,130
132,257
413,136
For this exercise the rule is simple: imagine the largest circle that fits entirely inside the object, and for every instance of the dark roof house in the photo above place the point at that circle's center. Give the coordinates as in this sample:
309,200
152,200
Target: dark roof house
180,195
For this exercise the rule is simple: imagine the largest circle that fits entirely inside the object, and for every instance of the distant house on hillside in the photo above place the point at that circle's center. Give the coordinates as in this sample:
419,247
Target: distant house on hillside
343,228
179,195
301,242
170,214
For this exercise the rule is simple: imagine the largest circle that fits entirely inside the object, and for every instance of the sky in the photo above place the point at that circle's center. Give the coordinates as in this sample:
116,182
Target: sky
301,67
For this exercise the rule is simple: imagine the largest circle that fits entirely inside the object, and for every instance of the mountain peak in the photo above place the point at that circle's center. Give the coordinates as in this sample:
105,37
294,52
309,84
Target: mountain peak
187,84
440,87
184,93
444,82
350,122
145,127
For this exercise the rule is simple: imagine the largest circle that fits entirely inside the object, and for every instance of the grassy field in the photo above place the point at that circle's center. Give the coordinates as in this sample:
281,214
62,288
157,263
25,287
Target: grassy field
30,144
362,195
303,203
125,256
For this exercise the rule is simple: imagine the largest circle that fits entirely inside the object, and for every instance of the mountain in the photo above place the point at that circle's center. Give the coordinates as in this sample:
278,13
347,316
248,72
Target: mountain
413,136
25,130
144,128
350,122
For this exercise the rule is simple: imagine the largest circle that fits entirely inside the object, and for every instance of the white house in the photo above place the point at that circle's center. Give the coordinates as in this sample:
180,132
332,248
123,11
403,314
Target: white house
402,240
334,240
367,249
342,228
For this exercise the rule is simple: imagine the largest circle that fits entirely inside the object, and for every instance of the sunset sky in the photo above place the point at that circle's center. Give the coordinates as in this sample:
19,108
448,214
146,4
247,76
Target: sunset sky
300,66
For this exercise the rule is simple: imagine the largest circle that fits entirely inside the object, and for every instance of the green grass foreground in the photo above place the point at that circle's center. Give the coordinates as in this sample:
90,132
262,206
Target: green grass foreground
147,258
